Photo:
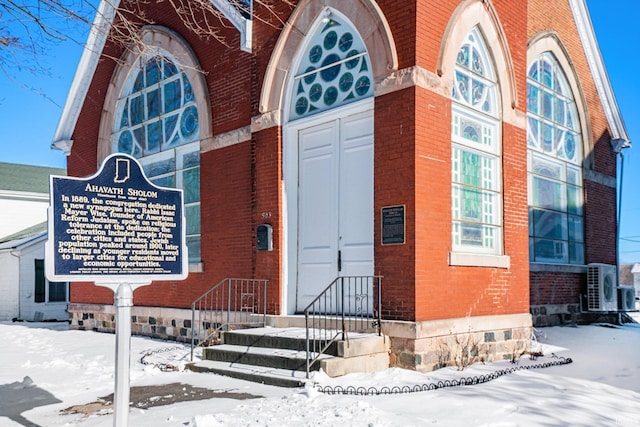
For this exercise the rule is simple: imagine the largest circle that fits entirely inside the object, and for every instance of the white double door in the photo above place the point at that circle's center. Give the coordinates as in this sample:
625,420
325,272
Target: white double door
335,203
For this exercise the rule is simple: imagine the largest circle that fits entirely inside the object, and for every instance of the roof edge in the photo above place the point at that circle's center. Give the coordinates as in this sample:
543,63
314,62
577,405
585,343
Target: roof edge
599,73
100,28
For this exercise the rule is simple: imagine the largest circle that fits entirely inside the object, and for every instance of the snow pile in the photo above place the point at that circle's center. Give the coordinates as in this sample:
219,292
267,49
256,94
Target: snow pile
600,387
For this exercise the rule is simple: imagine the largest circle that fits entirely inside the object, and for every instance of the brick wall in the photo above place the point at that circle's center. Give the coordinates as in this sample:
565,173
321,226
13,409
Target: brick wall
241,185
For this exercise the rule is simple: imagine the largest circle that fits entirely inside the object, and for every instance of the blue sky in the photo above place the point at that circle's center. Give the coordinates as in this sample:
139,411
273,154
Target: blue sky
28,119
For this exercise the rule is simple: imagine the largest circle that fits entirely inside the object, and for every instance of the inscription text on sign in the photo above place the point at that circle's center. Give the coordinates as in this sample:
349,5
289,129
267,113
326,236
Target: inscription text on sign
115,224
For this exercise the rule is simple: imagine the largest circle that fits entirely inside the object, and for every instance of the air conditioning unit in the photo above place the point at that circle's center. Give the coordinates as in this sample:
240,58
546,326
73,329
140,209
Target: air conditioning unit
601,287
626,298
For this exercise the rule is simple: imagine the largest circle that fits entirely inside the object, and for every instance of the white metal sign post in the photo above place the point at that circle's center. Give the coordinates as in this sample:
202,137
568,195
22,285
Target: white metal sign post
120,231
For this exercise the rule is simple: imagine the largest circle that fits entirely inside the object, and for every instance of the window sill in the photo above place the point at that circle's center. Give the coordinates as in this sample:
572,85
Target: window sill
196,267
479,260
556,268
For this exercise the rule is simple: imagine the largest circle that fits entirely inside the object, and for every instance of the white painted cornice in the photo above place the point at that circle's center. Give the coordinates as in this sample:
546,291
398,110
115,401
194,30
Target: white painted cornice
62,139
599,72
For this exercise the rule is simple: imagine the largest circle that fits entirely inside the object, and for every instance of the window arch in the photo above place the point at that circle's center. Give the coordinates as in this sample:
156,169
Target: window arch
334,69
156,120
554,158
476,193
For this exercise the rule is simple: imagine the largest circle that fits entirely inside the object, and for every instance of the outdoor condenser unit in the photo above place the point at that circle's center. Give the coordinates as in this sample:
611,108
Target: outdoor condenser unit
626,298
601,287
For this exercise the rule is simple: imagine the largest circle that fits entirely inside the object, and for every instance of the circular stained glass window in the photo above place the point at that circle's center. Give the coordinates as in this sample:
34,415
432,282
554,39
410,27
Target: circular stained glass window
346,41
476,64
352,62
315,93
329,74
309,78
189,121
346,80
321,81
330,40
315,54
301,105
330,95
362,85
478,91
463,55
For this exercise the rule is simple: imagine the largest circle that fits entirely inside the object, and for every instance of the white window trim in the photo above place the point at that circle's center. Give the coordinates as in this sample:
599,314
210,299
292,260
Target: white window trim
467,255
479,260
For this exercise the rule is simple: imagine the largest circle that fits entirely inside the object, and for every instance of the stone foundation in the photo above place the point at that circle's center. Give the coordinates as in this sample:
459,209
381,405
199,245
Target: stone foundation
426,346
421,346
569,314
170,324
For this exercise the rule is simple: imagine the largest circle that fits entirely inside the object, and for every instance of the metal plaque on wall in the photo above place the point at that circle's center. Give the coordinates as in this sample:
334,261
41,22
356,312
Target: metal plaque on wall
393,225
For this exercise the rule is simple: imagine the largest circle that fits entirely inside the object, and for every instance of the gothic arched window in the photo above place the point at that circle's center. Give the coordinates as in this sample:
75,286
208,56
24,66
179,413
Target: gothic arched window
476,193
334,70
554,166
156,121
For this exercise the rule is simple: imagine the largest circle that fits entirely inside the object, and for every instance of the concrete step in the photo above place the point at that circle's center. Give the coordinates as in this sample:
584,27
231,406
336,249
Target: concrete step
285,338
271,357
258,374
277,356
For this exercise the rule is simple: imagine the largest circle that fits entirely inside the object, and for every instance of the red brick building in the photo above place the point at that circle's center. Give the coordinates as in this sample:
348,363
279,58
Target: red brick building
489,126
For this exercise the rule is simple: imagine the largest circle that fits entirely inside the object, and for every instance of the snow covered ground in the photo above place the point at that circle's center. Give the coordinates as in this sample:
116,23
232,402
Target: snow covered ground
68,368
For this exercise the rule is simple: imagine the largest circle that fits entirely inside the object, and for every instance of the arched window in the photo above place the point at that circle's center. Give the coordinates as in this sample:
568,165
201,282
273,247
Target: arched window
554,166
475,132
156,121
334,69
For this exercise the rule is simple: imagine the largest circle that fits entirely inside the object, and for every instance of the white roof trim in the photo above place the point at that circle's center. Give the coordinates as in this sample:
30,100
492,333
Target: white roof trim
242,24
599,72
84,74
91,55
22,242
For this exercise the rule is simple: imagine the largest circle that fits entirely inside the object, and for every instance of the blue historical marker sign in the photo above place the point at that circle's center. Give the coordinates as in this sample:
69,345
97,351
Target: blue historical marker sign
115,226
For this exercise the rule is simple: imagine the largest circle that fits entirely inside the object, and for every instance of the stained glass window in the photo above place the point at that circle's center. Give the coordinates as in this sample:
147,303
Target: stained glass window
335,70
157,122
554,166
475,161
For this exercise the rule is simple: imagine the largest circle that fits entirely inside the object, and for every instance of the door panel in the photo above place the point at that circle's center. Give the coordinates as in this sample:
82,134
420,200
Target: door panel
335,204
356,196
317,218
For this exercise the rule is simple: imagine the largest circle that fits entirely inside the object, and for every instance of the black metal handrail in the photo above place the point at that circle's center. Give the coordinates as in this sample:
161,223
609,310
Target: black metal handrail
348,304
230,303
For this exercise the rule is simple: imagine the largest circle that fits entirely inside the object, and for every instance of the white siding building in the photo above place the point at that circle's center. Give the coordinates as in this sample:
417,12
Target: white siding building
24,196
25,293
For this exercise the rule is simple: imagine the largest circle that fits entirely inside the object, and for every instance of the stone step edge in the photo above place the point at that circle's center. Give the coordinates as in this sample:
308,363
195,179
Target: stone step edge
270,376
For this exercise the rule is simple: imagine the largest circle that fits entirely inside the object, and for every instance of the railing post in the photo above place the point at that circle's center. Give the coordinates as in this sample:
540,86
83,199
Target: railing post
193,327
342,306
379,285
228,303
306,323
264,303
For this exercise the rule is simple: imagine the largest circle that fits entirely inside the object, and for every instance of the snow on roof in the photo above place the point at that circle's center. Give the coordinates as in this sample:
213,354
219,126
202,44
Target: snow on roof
27,178
24,237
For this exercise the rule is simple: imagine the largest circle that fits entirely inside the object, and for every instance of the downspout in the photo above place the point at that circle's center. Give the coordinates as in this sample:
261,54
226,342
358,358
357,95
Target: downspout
618,146
16,253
